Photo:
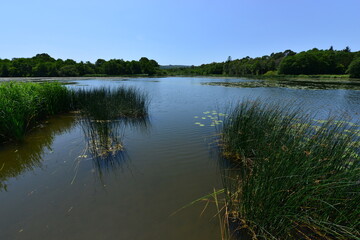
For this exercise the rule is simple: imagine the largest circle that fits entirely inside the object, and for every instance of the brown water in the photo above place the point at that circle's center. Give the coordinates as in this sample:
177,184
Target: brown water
51,187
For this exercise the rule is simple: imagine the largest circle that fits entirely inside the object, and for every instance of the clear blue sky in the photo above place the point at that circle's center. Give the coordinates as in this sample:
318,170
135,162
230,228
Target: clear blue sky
188,32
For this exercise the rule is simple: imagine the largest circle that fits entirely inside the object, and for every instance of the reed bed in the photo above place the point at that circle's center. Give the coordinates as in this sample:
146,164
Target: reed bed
103,115
23,104
289,178
111,103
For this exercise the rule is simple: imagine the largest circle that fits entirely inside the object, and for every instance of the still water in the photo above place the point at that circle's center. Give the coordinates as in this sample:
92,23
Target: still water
52,187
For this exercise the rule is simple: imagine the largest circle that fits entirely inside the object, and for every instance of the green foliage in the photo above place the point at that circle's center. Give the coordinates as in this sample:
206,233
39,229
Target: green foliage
238,67
105,103
270,73
23,104
69,71
312,62
103,114
316,62
43,65
148,66
354,68
295,177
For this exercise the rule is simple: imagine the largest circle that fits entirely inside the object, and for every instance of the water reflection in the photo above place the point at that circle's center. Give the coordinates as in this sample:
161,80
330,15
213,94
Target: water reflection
18,158
104,139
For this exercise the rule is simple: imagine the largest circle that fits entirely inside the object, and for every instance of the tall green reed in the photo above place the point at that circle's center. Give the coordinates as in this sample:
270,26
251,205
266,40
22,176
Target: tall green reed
111,103
104,113
290,179
22,104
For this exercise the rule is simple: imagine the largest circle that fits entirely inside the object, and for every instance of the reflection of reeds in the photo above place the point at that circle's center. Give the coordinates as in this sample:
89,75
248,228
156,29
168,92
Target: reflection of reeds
104,114
288,179
27,155
104,142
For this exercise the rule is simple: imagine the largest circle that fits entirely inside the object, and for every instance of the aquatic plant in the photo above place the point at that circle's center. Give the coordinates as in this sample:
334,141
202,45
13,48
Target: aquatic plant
104,144
22,104
110,103
295,82
289,179
104,113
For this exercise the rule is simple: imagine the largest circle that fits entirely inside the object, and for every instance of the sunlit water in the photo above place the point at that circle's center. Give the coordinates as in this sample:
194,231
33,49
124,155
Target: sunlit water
52,188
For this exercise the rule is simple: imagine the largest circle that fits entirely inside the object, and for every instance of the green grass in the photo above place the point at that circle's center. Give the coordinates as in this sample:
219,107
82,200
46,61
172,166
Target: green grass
23,104
289,179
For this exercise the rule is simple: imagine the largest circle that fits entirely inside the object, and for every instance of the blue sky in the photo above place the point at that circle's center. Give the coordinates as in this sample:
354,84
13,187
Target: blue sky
175,32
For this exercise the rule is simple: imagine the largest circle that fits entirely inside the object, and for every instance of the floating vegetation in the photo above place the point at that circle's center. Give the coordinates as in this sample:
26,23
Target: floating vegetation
103,144
317,84
211,117
289,176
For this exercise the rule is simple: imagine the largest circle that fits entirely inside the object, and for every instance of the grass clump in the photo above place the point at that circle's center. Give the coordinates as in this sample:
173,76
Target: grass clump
104,112
111,103
289,178
22,104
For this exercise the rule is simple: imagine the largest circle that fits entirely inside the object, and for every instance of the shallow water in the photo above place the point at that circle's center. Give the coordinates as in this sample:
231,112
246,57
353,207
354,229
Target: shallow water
51,187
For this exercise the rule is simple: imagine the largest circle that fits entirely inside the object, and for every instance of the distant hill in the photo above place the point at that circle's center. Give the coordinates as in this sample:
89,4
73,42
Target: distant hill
173,66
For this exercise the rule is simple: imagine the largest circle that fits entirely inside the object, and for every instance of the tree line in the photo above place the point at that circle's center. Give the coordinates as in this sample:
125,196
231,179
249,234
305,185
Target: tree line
311,62
43,65
288,62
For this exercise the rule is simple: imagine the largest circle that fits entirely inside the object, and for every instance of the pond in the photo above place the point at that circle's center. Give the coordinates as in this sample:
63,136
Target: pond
51,187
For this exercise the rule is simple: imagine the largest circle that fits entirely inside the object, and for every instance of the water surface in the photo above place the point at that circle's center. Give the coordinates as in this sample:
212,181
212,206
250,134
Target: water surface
51,187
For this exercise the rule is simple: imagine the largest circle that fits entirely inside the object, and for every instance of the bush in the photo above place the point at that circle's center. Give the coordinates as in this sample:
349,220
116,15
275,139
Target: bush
271,73
354,68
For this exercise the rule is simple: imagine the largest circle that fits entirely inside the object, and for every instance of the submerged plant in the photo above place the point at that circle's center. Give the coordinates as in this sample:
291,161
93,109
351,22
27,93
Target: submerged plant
288,179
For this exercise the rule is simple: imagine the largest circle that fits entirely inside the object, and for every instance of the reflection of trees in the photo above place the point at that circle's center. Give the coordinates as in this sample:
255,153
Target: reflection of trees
15,159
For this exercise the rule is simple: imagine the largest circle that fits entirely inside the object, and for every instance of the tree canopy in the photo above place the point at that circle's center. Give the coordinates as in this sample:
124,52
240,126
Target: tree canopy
309,62
43,65
354,68
288,62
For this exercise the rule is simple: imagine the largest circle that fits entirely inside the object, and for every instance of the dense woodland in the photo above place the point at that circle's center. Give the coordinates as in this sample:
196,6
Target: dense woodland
42,65
311,62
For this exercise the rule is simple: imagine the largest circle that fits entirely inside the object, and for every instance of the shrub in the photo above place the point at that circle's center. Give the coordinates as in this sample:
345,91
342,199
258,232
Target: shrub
354,68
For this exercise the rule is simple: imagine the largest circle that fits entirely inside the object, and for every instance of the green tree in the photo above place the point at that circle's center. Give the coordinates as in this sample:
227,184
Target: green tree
43,57
4,70
40,70
148,66
68,71
354,68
